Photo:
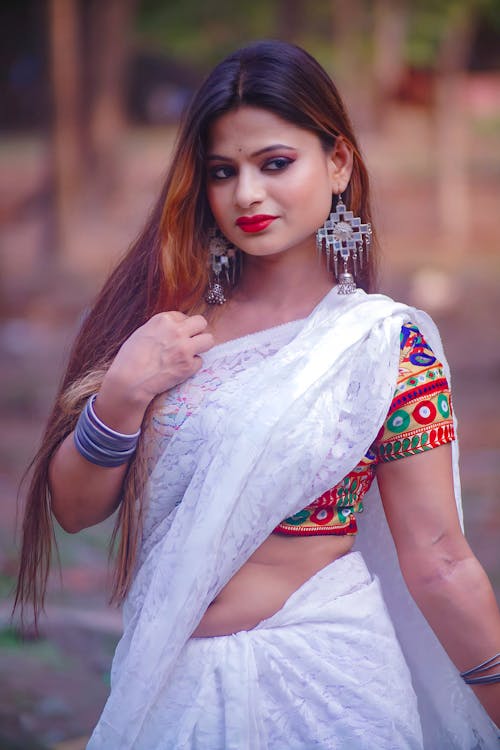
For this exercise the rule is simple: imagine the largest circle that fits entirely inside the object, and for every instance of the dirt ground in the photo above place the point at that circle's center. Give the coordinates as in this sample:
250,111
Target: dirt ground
53,688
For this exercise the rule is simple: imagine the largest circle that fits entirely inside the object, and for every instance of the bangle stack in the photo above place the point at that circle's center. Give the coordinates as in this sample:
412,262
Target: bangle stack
98,443
471,675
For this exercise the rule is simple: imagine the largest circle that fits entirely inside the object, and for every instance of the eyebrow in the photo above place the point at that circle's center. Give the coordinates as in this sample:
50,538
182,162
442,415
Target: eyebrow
273,147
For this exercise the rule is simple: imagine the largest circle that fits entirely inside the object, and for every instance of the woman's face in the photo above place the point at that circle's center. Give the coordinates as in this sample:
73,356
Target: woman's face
269,182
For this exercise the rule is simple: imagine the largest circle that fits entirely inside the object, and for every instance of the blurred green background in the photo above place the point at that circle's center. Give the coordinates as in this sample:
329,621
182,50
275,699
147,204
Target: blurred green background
91,92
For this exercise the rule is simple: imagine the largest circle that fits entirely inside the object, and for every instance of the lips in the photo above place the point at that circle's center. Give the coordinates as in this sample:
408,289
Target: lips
255,223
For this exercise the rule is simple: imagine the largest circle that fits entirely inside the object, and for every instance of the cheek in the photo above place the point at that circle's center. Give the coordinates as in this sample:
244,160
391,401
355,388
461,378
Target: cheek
211,199
310,193
217,204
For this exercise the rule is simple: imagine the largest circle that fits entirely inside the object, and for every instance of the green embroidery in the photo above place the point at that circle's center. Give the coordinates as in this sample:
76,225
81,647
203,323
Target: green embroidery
443,405
399,421
343,515
298,518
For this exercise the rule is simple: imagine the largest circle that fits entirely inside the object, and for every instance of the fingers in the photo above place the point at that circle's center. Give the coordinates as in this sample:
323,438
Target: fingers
194,324
193,327
196,364
189,325
186,330
173,315
201,343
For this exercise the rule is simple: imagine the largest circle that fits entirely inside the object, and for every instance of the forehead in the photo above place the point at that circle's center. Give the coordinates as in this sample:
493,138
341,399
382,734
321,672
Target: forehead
247,129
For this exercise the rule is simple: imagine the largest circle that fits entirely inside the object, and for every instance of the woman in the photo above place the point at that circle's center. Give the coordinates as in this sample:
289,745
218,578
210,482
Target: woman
268,391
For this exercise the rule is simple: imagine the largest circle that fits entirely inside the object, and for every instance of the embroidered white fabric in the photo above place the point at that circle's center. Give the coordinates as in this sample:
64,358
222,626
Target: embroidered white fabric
326,671
269,423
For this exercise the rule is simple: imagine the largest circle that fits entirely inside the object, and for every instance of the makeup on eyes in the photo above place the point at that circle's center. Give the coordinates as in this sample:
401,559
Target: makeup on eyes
265,166
278,148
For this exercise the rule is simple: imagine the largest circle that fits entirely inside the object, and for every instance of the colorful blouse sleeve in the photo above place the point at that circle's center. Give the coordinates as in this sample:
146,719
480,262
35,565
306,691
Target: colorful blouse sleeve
420,415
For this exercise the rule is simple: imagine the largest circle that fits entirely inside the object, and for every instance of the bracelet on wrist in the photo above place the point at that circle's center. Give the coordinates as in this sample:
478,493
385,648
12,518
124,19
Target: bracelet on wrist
100,444
489,679
473,676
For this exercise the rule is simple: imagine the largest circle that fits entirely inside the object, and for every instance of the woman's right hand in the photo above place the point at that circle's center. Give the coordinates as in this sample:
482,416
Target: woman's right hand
159,355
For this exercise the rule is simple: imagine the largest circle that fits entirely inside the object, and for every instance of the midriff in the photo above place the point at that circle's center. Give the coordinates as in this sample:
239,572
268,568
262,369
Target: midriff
269,577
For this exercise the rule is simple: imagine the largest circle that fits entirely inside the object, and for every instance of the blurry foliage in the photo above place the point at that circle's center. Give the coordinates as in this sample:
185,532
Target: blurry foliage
10,638
41,649
202,33
7,586
487,127
429,21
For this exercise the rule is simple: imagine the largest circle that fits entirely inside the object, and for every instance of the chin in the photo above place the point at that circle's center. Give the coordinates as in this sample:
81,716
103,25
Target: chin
264,252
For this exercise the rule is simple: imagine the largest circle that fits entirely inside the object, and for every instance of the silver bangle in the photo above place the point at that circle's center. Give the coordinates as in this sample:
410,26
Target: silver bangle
473,676
489,679
100,444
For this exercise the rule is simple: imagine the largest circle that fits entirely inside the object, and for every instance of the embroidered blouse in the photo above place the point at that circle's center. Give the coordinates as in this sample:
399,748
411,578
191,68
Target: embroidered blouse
419,419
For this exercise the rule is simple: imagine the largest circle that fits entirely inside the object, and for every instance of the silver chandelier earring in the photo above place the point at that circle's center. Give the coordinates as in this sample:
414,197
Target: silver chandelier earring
223,266
346,238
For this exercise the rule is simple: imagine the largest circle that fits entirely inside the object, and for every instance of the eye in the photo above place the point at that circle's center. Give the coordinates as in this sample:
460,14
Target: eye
278,163
222,172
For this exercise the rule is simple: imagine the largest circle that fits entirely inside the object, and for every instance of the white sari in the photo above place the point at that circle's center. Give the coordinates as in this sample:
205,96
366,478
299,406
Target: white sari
237,449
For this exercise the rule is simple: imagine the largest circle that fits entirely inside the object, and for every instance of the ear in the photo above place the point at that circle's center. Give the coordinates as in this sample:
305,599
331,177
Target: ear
340,165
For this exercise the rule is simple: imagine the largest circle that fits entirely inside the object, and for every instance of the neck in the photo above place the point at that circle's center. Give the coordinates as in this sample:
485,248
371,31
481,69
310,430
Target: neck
284,280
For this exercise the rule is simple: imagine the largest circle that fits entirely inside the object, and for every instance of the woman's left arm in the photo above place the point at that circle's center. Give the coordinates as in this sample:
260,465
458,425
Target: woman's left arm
442,574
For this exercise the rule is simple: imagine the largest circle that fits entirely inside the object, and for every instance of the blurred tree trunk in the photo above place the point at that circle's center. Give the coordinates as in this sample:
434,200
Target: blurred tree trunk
352,69
390,20
451,132
290,17
109,25
89,44
66,141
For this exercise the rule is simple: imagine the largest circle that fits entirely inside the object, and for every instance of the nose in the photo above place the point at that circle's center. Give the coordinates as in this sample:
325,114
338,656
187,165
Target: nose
249,188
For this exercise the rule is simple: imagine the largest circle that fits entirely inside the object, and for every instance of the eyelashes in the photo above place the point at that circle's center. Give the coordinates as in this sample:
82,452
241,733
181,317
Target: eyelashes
221,173
225,171
280,162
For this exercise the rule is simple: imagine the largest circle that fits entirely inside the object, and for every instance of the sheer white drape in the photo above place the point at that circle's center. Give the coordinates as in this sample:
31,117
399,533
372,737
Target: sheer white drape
253,438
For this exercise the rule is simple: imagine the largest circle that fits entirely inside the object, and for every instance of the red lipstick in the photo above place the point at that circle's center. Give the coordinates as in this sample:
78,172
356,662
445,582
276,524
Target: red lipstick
256,223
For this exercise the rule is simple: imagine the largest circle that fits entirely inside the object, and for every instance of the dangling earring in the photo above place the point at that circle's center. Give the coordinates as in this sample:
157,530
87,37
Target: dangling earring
346,236
222,260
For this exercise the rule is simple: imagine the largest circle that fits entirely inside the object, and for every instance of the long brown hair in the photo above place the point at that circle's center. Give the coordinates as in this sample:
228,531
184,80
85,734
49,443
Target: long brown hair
166,269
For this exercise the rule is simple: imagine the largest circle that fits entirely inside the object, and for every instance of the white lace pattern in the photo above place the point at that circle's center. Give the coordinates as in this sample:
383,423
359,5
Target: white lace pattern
269,423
